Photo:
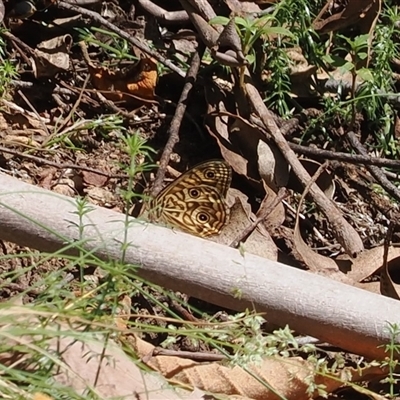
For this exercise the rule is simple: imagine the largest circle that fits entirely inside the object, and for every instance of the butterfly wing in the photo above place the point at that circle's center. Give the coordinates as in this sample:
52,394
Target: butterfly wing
215,173
195,201
199,210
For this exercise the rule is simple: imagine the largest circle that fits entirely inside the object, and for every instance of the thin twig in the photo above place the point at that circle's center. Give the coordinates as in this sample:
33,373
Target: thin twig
197,356
173,131
376,172
262,214
349,158
317,233
131,39
119,111
20,46
70,114
43,161
289,126
341,229
44,126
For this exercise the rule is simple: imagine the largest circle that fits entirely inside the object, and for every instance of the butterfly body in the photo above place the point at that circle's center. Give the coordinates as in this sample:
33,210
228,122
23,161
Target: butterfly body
195,202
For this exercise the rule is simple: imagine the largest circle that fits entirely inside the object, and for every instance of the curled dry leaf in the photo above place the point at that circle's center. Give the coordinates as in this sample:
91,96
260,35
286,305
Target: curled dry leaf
227,129
51,56
287,376
116,87
356,12
228,48
272,166
390,278
366,268
259,242
276,218
247,151
325,181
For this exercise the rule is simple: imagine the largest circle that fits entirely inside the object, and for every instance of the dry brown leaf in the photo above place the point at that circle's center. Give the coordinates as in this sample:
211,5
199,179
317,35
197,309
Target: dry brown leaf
41,396
118,374
146,81
100,196
231,136
369,264
325,180
116,87
51,56
389,273
259,241
276,218
317,263
272,166
218,128
19,118
46,177
301,73
287,376
360,12
184,42
4,125
89,361
242,7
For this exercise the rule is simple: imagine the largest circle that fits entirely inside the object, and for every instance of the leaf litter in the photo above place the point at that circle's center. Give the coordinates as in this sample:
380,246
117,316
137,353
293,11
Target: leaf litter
79,87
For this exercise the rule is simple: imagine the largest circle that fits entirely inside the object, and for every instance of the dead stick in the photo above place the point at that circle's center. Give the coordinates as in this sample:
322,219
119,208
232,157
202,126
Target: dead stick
262,215
43,161
376,172
173,130
348,158
345,234
345,316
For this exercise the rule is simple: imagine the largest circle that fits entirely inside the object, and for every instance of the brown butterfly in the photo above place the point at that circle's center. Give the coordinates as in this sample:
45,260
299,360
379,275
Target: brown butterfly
195,202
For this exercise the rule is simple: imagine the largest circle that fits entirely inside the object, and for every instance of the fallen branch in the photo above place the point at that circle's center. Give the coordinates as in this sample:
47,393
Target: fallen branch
348,317
341,229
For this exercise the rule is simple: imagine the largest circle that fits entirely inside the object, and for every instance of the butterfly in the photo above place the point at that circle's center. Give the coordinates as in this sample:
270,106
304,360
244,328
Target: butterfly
195,202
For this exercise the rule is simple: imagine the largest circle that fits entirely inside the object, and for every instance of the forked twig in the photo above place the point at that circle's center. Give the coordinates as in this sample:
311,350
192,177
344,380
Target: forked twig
341,229
262,214
376,172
